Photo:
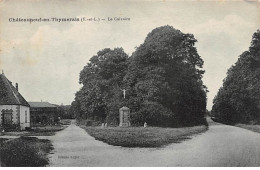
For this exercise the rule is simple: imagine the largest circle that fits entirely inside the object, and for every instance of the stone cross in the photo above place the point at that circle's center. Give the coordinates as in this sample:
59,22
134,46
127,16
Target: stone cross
124,90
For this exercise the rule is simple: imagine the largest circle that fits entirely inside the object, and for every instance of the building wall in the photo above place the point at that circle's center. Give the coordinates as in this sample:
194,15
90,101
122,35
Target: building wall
24,120
18,115
15,112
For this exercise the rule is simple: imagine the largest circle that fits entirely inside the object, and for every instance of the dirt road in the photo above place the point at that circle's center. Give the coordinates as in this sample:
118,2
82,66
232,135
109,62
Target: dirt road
221,145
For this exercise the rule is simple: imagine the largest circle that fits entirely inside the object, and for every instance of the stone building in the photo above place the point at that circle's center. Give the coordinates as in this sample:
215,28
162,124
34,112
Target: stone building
14,109
43,113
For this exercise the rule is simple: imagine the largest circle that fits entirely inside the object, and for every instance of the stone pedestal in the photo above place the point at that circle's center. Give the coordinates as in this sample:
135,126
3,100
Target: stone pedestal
1,129
124,117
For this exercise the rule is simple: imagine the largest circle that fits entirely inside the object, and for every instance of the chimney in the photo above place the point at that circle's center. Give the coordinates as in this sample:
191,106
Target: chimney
16,86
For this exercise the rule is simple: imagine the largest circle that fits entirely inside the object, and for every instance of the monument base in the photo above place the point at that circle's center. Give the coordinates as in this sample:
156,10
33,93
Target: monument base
124,124
124,117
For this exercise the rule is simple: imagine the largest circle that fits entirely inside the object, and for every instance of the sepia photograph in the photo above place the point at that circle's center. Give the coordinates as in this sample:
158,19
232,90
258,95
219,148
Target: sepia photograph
129,83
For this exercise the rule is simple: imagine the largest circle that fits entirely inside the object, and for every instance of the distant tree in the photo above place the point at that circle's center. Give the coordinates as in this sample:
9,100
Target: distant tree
238,99
76,110
64,112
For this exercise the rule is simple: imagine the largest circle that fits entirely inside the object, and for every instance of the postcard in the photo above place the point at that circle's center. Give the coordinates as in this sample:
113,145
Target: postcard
129,83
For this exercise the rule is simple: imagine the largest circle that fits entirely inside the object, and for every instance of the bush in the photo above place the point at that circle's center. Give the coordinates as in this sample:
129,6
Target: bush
25,152
28,129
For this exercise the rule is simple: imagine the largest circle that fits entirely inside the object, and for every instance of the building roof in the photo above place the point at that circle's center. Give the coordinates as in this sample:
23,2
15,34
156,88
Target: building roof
41,105
9,95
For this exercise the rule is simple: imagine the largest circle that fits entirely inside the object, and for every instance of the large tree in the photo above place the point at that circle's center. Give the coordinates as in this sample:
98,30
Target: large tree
101,79
164,80
238,99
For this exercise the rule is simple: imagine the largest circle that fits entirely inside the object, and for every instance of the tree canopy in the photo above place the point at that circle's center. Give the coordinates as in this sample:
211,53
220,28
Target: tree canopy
238,101
163,79
101,79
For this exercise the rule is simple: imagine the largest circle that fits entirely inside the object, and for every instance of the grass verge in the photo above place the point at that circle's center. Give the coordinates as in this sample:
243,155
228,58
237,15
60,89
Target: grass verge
143,137
45,131
254,128
38,131
66,121
24,152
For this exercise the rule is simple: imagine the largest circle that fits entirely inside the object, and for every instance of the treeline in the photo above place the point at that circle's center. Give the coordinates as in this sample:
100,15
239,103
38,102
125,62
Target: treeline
64,112
238,101
162,78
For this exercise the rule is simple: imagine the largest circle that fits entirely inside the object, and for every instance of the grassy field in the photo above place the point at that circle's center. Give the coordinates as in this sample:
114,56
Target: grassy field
143,137
254,128
38,131
24,152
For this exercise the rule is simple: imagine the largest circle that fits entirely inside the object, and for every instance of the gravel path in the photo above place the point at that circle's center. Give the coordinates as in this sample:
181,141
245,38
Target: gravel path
221,145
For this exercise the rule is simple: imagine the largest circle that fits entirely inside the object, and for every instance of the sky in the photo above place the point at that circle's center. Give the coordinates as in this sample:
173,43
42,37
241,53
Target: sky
45,58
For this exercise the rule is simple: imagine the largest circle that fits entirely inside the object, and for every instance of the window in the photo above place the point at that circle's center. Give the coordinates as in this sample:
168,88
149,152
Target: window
7,117
25,116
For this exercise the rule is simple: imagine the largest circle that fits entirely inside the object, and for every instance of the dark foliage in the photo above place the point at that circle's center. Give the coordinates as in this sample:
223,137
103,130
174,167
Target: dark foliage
162,79
25,152
100,96
238,100
64,112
